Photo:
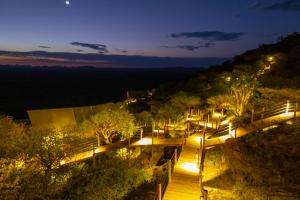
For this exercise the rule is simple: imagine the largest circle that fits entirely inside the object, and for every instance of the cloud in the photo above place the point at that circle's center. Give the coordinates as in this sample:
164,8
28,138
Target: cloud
79,50
101,48
190,47
209,35
121,50
44,47
289,5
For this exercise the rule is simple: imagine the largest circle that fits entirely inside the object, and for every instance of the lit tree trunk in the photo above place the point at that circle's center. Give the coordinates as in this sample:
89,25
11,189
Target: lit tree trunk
98,140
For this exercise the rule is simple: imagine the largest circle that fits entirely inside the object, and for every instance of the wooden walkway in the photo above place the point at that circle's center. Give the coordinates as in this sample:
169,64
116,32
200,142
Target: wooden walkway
184,184
147,141
256,125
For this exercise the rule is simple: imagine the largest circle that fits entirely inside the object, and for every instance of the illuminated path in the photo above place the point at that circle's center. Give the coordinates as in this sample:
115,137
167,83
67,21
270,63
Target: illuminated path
250,128
147,141
184,184
190,141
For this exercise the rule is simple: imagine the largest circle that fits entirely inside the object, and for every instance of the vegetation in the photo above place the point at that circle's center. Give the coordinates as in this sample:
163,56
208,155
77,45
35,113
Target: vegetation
113,178
30,167
111,122
259,166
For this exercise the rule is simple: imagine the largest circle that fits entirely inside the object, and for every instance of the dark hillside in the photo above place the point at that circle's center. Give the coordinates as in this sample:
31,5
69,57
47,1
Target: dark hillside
24,88
286,69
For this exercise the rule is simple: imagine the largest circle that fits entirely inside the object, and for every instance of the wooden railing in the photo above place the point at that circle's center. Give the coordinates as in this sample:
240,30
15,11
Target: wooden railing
165,175
261,114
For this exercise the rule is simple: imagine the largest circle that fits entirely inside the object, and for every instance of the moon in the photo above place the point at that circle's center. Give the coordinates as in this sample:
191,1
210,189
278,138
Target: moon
67,3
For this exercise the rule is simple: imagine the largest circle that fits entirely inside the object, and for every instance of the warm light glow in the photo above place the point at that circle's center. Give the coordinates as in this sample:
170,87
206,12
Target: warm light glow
209,125
158,131
287,107
217,115
270,127
97,150
20,163
193,118
232,133
286,114
270,58
190,167
225,137
145,141
225,122
197,139
83,155
228,78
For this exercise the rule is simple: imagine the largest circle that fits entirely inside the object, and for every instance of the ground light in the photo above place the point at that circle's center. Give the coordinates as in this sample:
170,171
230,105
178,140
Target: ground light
190,167
145,141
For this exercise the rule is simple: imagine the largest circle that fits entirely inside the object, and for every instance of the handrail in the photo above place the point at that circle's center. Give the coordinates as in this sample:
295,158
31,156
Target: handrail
164,179
276,109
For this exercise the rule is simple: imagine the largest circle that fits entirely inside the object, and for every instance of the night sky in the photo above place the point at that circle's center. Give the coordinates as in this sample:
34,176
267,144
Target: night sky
139,29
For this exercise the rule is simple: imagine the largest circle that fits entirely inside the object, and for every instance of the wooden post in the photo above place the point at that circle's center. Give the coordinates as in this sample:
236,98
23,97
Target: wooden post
199,165
152,146
287,106
159,193
98,140
199,155
175,155
263,113
94,157
295,110
252,115
128,140
203,192
203,137
170,171
141,136
187,119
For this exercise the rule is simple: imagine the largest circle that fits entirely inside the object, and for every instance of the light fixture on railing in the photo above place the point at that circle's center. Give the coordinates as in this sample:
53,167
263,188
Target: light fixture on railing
287,106
231,132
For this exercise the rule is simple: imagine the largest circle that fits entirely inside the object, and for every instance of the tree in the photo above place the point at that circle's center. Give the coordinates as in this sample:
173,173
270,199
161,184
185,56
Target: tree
182,101
269,97
113,179
242,83
13,133
49,146
144,118
176,108
30,160
111,122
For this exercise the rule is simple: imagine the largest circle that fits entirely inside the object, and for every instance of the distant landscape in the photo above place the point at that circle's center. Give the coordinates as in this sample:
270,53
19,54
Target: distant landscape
25,87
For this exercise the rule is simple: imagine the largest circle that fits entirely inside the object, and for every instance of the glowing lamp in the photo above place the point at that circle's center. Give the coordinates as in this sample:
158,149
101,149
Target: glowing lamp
190,167
145,141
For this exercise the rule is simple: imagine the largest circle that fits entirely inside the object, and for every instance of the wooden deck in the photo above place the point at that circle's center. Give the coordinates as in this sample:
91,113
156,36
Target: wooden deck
184,184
